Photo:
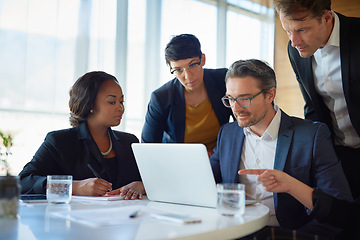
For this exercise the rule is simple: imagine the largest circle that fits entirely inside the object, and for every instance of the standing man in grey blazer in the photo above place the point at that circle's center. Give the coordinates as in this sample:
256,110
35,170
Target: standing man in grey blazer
324,53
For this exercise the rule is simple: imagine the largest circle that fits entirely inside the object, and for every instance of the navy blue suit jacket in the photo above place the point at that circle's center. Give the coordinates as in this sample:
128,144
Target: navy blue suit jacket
165,117
68,151
315,108
304,150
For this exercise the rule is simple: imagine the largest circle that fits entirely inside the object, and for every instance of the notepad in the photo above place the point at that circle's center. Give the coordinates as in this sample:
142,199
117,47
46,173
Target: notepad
100,198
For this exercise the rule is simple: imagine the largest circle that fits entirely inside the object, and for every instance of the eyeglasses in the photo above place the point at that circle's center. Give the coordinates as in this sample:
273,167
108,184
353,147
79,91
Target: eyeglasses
192,68
242,101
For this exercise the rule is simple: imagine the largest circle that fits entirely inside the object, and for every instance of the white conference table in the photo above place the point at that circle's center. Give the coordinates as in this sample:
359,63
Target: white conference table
37,221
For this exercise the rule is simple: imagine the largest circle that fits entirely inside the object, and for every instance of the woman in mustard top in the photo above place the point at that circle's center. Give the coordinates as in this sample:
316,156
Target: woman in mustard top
187,109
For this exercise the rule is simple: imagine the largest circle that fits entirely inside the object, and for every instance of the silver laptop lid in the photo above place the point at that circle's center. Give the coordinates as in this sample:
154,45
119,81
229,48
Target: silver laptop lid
176,173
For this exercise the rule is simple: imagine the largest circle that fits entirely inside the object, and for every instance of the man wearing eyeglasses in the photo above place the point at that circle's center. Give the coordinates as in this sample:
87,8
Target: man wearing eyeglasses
264,137
187,109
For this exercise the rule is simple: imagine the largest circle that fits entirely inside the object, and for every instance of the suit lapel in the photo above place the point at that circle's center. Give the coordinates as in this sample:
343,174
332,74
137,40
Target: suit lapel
178,112
304,68
283,146
344,55
96,160
119,151
309,83
284,142
237,146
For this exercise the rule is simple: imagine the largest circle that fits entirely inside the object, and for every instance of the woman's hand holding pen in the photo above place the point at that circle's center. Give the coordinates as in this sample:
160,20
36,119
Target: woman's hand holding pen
134,190
91,187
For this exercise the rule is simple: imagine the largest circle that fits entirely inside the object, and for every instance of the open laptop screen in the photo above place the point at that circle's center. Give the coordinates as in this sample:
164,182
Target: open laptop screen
176,173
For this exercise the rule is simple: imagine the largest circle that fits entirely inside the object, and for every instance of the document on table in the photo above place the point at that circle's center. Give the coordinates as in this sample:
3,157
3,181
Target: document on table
99,198
108,216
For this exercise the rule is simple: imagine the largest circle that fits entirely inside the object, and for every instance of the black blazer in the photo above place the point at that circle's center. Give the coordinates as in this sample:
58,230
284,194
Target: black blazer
337,212
165,117
68,151
315,108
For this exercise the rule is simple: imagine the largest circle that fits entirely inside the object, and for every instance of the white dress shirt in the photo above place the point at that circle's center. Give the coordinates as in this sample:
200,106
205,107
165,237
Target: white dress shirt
328,83
259,153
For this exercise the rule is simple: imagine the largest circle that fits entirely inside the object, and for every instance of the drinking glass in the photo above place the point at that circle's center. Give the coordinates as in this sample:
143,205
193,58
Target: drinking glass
59,188
231,199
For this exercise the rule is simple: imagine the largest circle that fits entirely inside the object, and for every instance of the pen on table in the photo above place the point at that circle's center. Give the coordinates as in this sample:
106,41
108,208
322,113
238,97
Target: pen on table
135,214
93,171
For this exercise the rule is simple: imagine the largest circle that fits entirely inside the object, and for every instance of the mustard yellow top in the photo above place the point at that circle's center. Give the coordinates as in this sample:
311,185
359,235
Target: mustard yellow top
201,125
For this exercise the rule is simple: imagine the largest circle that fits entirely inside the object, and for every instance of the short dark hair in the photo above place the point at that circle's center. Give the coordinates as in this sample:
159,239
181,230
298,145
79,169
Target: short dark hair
182,46
83,95
253,68
315,7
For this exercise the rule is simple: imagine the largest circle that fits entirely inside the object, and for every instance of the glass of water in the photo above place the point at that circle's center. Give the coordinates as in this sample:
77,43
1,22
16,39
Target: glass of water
59,188
231,199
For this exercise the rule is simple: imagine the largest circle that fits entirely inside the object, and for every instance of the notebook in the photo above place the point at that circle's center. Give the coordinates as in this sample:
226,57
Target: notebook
176,173
97,198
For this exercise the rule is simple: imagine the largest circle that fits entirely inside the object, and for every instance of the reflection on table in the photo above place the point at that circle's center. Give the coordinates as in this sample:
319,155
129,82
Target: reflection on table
42,221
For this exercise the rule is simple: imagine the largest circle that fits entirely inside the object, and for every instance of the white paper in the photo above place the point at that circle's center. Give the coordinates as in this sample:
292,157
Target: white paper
98,198
108,216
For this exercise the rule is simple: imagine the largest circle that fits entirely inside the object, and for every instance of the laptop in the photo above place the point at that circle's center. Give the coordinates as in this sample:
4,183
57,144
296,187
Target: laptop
176,173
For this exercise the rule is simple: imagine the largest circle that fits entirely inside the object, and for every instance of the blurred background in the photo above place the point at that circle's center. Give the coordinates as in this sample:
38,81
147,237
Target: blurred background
45,45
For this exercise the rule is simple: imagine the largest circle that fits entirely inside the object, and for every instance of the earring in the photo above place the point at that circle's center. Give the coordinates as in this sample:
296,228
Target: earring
91,111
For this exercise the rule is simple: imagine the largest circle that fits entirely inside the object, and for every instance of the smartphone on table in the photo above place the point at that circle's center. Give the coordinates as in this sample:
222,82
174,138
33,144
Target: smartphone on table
33,198
177,218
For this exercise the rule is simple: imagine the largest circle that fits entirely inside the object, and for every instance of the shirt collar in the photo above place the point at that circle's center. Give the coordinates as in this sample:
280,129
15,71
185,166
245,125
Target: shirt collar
334,39
272,130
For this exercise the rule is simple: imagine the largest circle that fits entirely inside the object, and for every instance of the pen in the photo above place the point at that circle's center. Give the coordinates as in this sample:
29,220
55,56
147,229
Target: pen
93,171
134,214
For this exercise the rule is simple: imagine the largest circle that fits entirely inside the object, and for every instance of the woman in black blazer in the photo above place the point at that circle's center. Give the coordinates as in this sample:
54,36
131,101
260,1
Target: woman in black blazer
96,104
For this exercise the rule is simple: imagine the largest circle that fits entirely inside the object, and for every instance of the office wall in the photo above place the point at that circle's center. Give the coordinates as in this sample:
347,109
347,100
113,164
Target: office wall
289,97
